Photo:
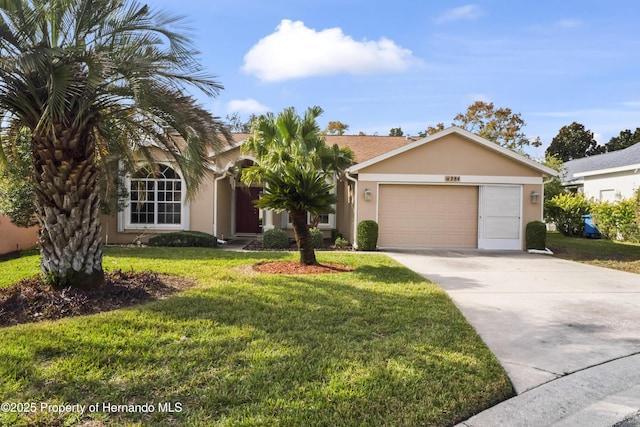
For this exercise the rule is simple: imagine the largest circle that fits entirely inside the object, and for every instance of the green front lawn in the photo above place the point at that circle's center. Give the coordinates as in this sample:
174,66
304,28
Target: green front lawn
600,252
377,346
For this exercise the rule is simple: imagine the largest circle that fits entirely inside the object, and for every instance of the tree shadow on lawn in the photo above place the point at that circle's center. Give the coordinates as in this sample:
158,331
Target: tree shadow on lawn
166,253
275,350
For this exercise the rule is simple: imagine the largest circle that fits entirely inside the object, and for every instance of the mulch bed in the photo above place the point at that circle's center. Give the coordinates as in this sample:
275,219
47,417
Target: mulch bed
294,267
256,245
31,300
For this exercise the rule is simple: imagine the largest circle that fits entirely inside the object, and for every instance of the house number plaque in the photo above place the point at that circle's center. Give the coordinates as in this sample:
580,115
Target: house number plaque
451,178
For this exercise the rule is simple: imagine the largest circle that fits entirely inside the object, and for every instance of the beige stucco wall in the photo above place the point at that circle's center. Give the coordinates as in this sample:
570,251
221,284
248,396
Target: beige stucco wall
531,211
201,211
225,200
451,155
14,238
344,210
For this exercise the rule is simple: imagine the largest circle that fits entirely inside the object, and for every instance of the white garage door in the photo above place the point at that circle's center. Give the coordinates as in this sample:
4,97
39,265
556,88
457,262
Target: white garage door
428,216
500,217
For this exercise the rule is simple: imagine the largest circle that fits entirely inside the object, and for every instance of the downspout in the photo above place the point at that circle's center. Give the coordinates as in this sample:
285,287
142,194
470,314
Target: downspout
354,242
215,204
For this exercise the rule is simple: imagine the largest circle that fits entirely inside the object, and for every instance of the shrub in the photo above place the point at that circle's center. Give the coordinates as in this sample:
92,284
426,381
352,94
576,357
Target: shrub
275,239
185,239
341,243
617,220
566,210
317,238
636,197
536,235
367,235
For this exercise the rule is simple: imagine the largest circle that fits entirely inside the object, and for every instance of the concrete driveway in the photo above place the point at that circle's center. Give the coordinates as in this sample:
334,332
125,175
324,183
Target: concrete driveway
542,317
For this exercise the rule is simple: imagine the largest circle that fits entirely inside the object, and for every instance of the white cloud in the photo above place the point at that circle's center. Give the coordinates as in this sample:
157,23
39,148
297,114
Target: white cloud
568,24
247,106
468,12
295,51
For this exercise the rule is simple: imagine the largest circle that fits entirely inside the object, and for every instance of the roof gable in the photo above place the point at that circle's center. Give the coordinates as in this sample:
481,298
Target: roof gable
467,135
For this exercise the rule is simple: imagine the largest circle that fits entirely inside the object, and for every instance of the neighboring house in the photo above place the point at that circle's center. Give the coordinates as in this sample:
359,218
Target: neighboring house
605,177
14,238
452,189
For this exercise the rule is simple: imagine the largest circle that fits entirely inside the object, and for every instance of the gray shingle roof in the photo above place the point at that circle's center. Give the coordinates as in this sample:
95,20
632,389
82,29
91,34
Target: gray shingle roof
615,159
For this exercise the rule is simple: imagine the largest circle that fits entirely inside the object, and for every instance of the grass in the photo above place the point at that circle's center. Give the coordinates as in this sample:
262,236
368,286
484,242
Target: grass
600,252
377,346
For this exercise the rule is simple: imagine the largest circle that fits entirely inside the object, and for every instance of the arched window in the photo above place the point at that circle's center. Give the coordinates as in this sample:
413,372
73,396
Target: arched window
156,197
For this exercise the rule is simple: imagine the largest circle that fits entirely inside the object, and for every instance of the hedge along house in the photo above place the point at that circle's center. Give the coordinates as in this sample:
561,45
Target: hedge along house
452,189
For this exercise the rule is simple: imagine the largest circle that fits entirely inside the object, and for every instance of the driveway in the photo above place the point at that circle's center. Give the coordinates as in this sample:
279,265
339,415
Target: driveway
542,317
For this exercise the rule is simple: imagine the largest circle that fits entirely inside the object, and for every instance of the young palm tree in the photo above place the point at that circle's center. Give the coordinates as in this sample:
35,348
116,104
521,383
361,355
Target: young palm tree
90,80
295,166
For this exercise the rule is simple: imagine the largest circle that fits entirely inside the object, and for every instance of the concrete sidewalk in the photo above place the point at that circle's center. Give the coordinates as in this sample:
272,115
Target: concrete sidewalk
554,325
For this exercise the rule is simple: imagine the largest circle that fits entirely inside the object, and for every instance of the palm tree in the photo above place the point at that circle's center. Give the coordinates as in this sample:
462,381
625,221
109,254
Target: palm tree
90,80
295,166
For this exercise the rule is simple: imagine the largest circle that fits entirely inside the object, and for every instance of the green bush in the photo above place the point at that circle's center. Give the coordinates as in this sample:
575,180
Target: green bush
317,238
367,235
341,243
636,198
617,220
536,235
275,239
185,239
566,210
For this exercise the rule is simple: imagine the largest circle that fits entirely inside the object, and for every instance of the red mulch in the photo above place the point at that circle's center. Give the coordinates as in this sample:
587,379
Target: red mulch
294,267
31,300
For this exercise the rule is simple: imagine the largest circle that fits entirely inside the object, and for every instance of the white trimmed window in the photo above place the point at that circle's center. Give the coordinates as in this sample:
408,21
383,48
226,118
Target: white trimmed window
156,200
327,221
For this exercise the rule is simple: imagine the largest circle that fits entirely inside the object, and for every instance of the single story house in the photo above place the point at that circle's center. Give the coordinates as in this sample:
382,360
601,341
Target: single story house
605,177
452,189
14,238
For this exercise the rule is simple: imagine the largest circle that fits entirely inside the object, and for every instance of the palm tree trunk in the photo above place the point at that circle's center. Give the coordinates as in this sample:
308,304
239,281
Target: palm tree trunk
68,210
303,237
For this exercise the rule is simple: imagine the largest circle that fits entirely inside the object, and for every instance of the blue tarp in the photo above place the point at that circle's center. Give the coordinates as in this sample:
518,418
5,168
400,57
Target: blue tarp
590,230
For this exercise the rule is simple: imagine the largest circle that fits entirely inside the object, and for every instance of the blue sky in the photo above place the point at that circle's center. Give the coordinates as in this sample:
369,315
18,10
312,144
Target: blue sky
411,64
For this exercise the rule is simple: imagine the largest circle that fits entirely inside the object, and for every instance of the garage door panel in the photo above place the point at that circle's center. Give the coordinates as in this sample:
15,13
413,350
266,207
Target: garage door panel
428,216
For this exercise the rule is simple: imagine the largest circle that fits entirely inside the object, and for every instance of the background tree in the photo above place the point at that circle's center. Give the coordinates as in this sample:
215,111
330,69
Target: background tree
396,132
237,125
295,166
573,142
17,195
432,130
499,125
553,187
336,128
90,80
624,140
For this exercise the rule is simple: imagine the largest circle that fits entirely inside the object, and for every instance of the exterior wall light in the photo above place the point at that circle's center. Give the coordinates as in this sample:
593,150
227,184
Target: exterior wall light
534,197
367,194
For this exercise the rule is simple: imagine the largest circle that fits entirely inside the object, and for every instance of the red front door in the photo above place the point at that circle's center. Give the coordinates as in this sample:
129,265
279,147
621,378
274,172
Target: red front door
247,215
